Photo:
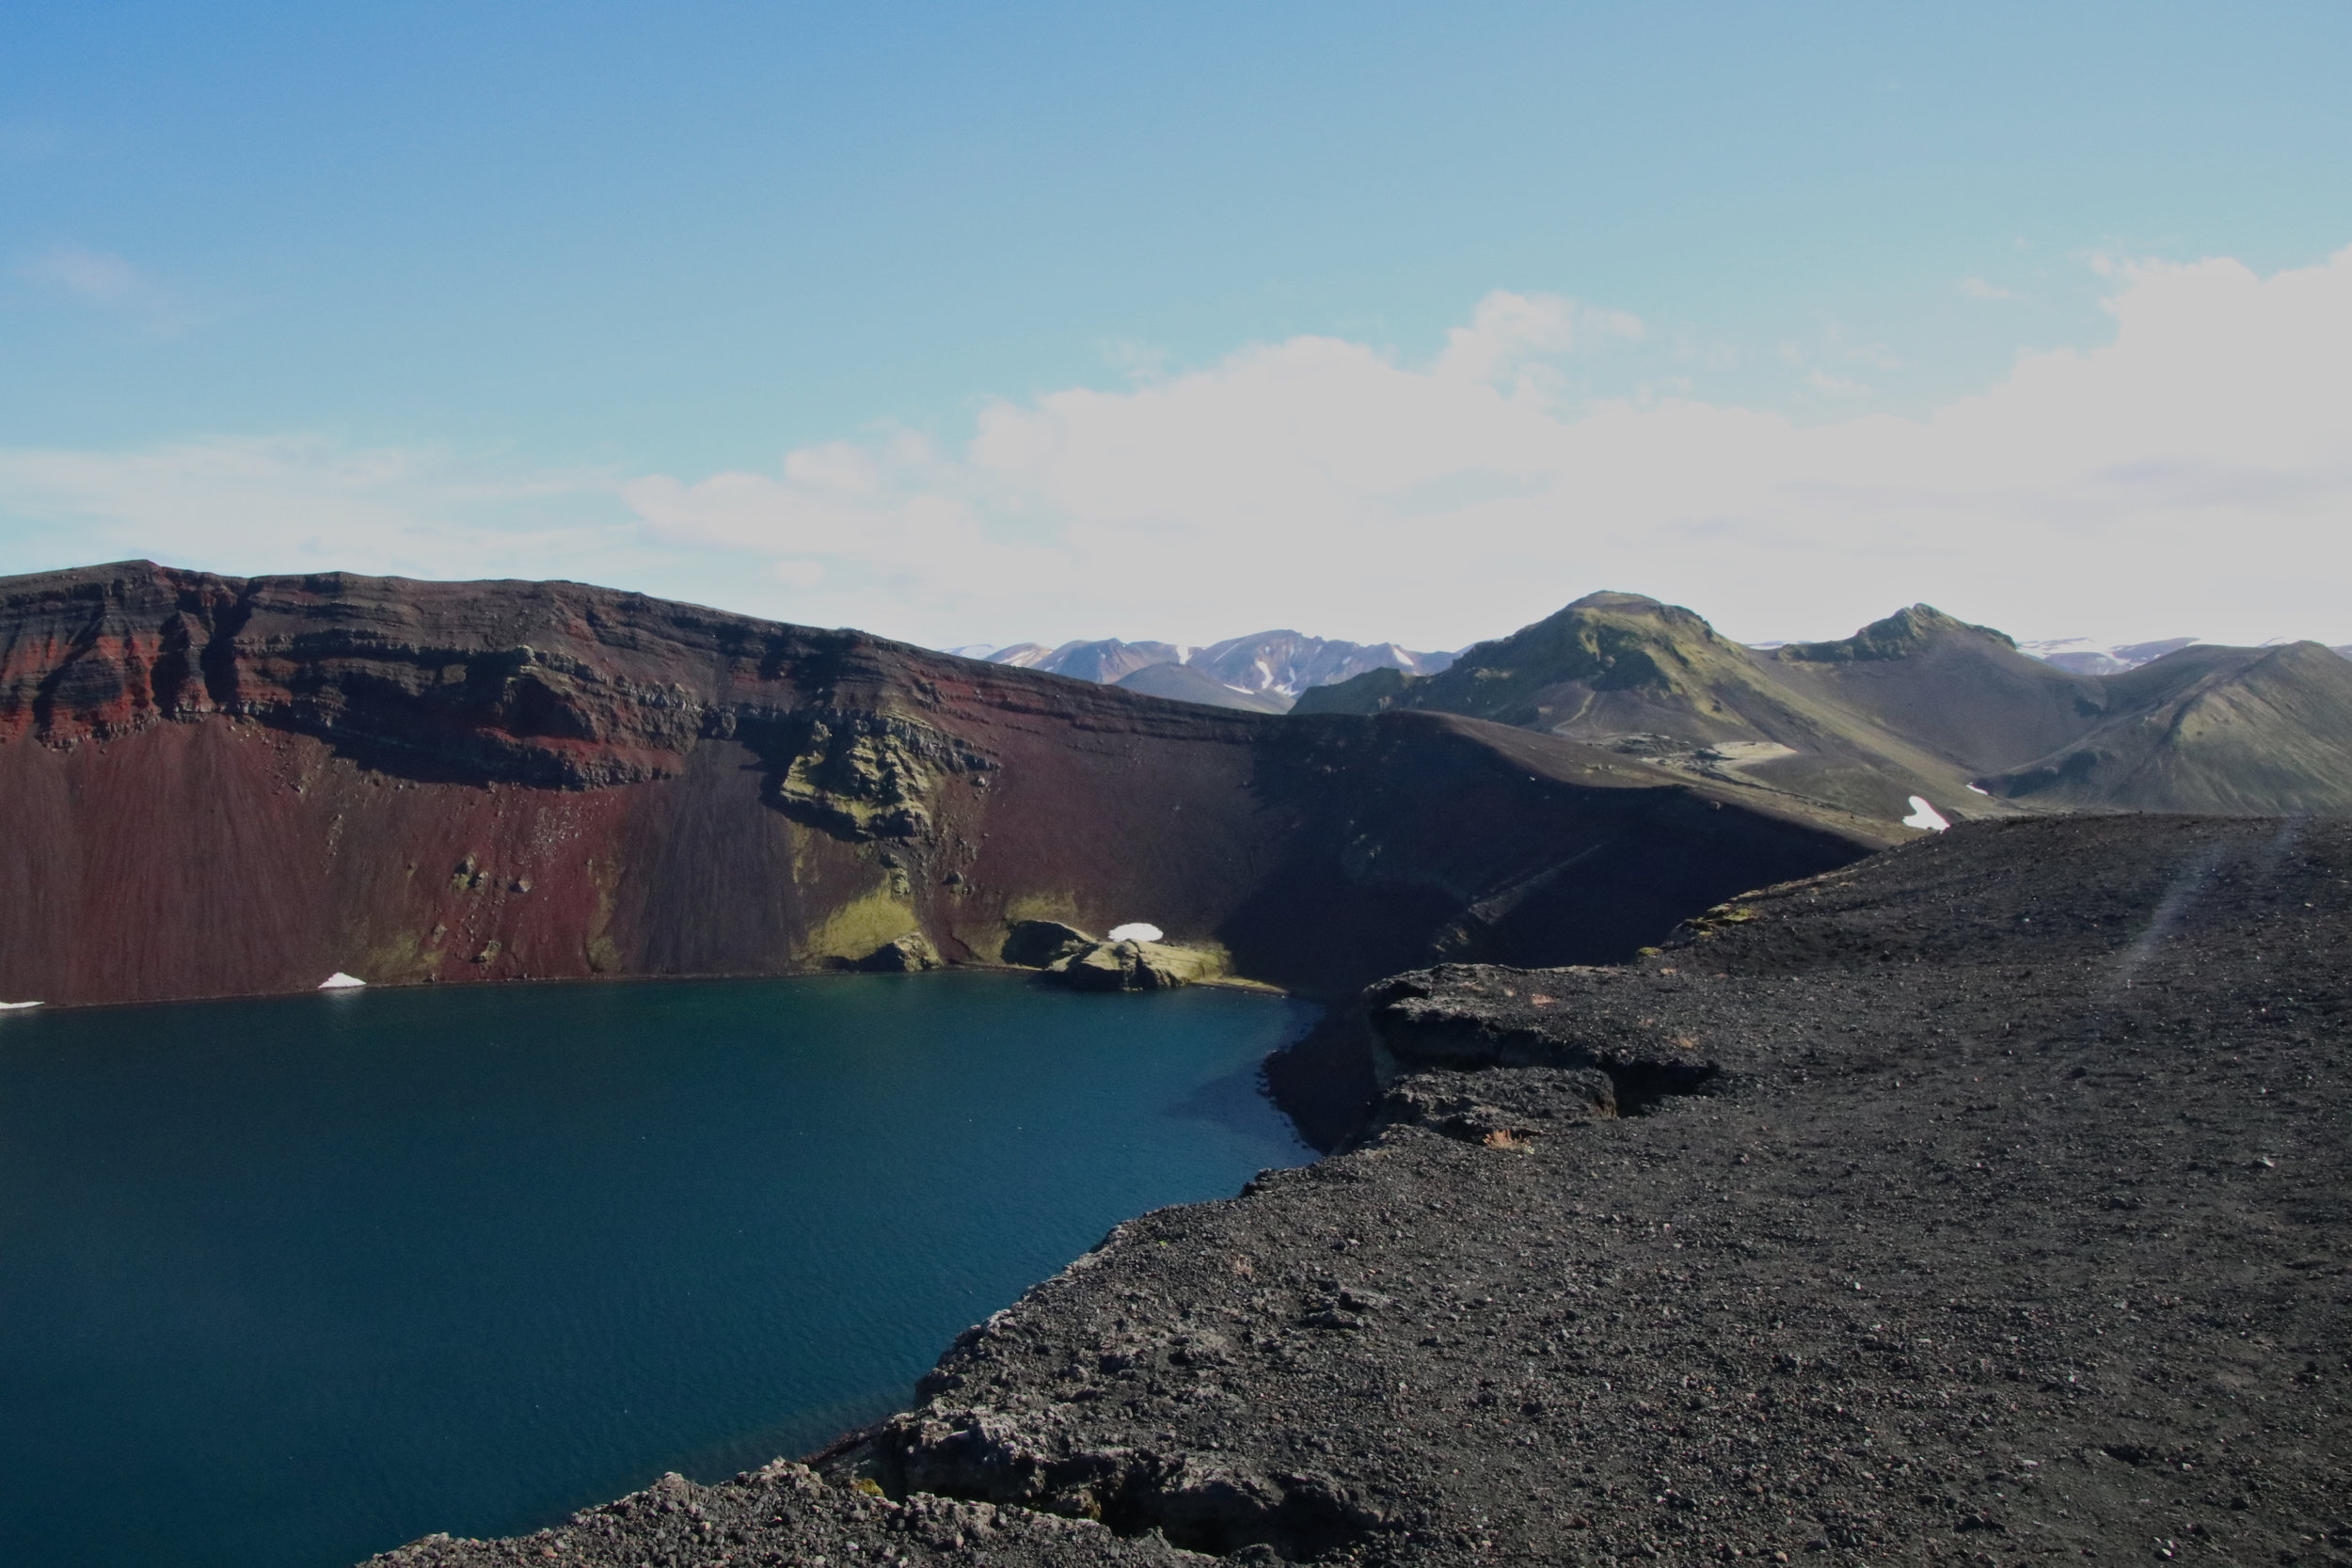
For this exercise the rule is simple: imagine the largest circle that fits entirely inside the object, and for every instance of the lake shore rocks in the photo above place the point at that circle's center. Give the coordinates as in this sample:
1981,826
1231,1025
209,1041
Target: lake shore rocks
1083,962
2003,1214
1134,966
903,954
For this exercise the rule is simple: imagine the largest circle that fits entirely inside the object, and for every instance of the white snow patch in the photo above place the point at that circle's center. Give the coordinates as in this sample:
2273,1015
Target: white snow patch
16,1007
340,981
1135,931
1925,815
1986,793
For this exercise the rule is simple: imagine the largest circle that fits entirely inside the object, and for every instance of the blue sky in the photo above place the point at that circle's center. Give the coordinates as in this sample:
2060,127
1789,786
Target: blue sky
465,285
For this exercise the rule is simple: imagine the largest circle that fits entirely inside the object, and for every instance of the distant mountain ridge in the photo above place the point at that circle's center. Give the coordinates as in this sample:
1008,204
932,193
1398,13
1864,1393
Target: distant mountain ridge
1917,704
1263,672
2085,658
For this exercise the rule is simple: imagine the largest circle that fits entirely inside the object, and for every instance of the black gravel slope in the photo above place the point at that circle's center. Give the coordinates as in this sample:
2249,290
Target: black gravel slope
1983,1202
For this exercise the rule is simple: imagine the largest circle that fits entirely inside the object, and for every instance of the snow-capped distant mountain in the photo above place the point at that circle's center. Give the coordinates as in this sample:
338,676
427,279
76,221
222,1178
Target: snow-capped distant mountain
1274,664
1290,663
2085,658
1103,661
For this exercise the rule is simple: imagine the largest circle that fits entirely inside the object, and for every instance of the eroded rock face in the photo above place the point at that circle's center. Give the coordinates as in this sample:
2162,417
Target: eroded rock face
873,775
414,782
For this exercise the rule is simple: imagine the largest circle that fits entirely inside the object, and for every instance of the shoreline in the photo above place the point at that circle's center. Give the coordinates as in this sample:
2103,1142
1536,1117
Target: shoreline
506,983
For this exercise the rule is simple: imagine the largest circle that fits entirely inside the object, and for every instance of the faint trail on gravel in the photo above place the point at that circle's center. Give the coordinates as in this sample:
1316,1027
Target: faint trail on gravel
2188,883
2290,834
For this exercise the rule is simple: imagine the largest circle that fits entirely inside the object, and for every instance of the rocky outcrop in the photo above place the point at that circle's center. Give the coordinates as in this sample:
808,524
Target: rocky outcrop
224,785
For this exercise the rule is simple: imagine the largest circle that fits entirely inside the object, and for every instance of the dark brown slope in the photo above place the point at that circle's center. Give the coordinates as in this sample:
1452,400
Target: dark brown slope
2209,729
2010,1222
217,786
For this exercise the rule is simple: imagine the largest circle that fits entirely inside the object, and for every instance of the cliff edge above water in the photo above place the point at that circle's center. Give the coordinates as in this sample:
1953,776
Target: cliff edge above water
226,786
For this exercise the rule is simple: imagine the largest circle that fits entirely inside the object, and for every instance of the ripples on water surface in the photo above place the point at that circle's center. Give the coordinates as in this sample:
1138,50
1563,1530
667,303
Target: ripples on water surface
283,1283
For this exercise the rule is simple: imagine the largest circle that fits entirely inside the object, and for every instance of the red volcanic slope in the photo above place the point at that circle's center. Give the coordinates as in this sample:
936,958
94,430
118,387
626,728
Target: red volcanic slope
215,787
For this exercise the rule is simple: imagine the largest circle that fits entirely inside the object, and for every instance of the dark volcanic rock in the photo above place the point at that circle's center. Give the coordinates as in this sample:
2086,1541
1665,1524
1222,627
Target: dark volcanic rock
217,786
1036,944
783,1514
2007,1218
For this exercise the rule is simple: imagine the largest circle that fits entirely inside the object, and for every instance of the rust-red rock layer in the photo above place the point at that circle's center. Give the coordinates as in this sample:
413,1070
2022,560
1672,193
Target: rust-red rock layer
212,785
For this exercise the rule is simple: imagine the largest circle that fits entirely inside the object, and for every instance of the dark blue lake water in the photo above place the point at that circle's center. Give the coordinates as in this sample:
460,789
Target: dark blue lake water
284,1283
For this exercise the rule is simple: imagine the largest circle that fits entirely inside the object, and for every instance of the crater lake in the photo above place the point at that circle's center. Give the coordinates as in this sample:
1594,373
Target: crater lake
286,1282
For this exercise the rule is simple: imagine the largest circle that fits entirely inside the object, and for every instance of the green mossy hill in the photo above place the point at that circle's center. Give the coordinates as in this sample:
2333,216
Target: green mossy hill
1374,691
1635,649
1656,681
2231,731
1920,703
1905,632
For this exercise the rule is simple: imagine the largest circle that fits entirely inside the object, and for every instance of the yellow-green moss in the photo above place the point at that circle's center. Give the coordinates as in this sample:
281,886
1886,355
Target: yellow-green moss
397,960
859,926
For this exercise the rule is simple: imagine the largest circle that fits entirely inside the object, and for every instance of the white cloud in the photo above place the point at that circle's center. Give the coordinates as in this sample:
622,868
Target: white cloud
97,279
1509,330
2193,475
1836,386
296,504
1976,288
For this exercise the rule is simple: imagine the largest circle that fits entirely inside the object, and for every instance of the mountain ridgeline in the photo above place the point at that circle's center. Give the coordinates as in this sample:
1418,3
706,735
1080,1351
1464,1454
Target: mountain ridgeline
1917,704
219,786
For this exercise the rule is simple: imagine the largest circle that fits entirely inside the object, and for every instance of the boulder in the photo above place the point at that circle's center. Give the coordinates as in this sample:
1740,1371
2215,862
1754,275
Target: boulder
1038,943
901,955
